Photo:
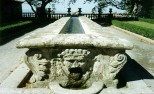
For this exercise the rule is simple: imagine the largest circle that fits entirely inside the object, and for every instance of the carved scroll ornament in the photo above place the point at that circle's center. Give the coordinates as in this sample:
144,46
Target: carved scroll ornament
37,64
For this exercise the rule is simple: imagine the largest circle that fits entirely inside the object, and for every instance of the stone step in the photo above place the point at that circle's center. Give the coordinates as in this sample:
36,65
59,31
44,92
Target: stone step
16,77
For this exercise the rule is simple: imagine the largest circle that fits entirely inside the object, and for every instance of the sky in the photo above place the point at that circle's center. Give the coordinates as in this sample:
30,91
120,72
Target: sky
62,6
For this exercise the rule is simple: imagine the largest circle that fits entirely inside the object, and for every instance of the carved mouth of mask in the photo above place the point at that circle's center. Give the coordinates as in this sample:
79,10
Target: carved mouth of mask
75,73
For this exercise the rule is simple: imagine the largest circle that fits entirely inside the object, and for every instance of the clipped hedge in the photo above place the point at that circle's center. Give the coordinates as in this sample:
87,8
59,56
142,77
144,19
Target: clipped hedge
11,26
13,29
147,32
147,20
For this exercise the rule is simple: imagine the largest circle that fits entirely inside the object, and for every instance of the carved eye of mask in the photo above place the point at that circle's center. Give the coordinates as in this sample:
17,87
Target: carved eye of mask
78,61
81,61
71,61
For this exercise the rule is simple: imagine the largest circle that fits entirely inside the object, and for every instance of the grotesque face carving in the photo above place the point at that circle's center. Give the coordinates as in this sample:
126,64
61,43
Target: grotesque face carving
75,58
75,62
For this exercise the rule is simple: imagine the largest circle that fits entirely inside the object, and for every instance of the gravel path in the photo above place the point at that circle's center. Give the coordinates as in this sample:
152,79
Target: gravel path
10,57
143,51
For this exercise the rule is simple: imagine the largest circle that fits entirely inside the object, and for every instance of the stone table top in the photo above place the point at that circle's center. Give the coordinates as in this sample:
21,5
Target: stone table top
94,36
73,40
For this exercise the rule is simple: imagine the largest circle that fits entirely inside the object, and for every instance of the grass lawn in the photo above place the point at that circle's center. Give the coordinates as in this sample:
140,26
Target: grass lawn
141,24
14,25
147,20
9,30
143,28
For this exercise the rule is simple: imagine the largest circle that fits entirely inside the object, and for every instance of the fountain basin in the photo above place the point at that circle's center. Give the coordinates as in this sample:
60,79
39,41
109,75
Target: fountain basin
99,54
94,89
87,36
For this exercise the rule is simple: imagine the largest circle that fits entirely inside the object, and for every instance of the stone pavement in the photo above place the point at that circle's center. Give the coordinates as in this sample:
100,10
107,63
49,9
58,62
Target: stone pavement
143,51
10,57
143,54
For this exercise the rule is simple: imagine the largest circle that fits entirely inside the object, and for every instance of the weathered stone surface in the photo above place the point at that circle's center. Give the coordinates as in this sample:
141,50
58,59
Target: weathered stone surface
25,91
94,36
75,60
12,81
92,65
94,89
51,29
81,40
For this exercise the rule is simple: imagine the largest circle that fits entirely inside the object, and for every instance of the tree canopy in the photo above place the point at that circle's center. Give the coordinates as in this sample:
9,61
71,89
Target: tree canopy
41,4
38,6
142,8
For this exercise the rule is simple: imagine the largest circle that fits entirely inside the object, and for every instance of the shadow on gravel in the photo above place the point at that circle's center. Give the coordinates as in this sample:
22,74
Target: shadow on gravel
19,32
103,23
132,71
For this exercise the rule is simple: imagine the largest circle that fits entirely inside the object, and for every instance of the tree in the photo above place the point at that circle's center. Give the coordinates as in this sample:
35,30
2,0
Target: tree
101,4
38,7
140,8
146,8
134,7
152,12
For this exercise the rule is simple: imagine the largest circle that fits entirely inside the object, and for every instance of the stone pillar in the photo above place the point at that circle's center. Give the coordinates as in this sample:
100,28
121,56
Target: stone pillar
99,13
69,11
110,16
80,11
37,15
110,10
49,13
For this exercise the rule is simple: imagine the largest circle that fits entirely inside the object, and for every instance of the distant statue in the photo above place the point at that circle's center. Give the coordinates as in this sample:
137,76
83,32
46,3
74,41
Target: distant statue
135,9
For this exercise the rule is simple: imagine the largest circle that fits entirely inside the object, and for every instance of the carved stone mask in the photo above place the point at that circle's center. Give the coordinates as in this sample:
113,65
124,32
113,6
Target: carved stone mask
75,60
